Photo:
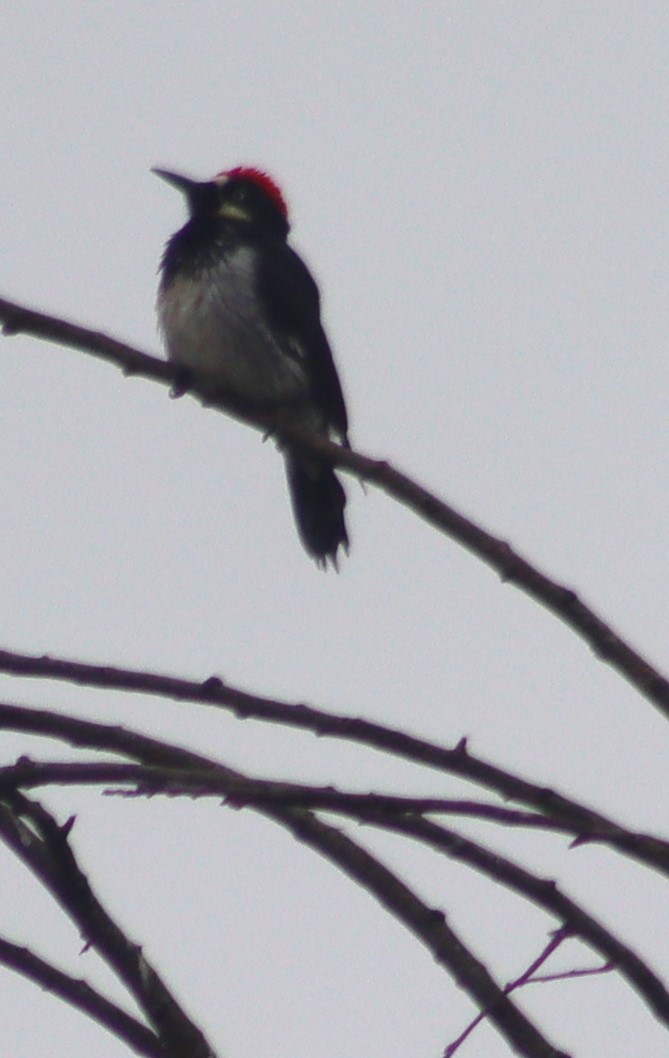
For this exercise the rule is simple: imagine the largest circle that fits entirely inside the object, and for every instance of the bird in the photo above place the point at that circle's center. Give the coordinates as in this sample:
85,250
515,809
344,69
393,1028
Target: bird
239,312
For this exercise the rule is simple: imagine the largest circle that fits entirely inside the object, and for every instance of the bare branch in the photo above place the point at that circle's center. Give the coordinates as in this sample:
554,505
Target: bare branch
580,820
399,815
429,925
29,774
34,835
570,975
560,600
19,319
81,996
558,937
529,977
545,894
37,839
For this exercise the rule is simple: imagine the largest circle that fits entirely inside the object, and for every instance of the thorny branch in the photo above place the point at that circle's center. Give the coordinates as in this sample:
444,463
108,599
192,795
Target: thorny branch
583,822
83,997
530,976
560,600
195,776
43,845
429,925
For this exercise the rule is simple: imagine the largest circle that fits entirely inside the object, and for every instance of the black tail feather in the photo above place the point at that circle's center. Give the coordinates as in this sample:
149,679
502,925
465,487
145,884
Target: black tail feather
318,500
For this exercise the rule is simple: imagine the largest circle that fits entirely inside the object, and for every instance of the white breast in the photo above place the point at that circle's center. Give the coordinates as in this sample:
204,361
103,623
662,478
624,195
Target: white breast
214,324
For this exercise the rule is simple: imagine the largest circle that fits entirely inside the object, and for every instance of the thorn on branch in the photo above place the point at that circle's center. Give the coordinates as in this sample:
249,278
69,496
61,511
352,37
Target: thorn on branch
213,686
67,826
582,839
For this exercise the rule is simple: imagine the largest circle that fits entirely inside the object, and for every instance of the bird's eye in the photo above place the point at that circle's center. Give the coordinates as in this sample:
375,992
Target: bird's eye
238,193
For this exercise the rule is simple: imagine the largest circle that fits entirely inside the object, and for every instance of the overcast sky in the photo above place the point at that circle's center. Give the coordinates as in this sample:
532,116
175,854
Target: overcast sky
481,190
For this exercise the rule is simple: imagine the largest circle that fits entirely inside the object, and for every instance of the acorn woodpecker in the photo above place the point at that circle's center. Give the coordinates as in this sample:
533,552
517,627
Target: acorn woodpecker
240,310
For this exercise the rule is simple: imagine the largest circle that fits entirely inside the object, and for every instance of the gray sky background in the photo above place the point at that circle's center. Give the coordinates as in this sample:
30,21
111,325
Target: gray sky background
481,191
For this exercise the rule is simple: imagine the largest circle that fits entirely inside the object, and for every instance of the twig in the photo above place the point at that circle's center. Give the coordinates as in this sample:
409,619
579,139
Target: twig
36,838
426,923
558,937
582,821
81,996
29,774
560,600
545,894
569,975
389,813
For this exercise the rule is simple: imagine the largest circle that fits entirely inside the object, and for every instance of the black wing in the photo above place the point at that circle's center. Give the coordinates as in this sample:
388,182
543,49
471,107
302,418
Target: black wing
291,296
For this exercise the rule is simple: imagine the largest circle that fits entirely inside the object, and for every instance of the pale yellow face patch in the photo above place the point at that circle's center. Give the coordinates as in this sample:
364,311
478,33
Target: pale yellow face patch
230,210
233,211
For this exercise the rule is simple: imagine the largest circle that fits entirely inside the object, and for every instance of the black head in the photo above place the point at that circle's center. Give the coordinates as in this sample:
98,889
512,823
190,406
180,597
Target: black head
243,195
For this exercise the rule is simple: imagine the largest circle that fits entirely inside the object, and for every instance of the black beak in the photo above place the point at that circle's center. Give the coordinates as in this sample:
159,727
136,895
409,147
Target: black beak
199,196
183,183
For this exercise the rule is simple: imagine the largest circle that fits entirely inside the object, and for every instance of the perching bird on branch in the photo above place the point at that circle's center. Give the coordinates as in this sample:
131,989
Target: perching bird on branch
240,310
